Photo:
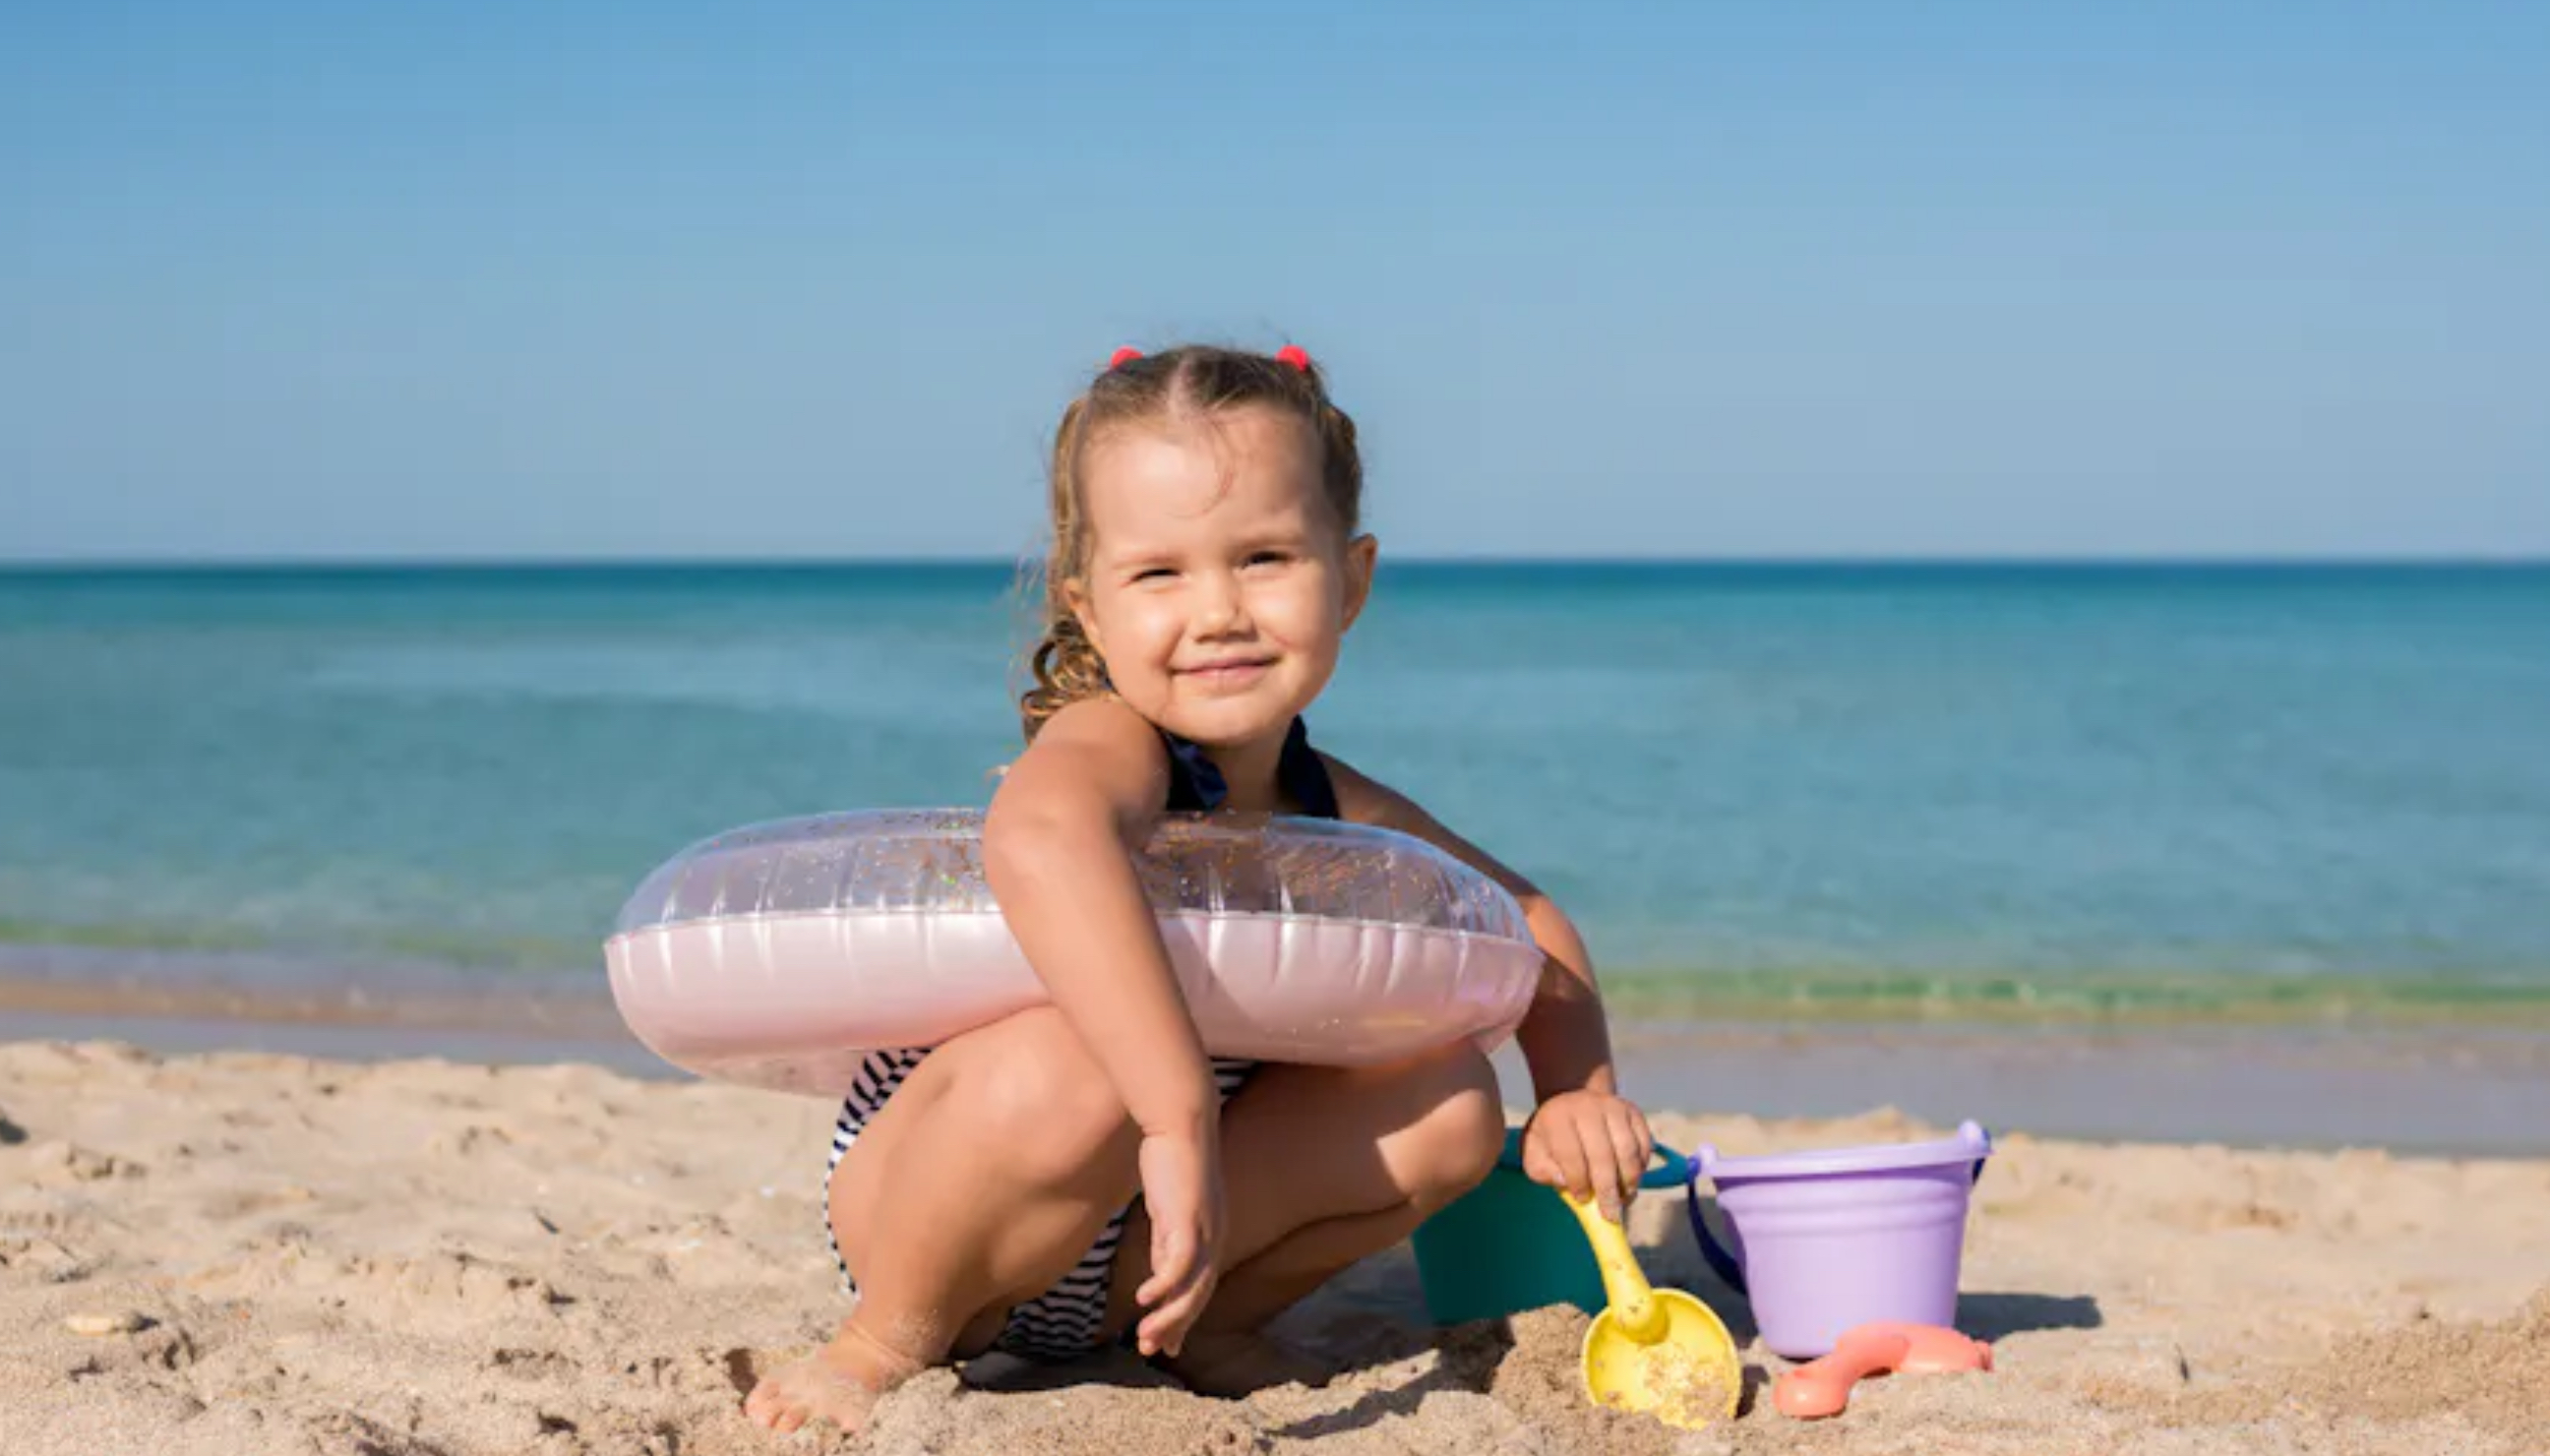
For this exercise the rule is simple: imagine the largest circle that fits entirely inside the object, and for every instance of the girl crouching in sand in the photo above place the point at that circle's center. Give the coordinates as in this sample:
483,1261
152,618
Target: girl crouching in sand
1043,1185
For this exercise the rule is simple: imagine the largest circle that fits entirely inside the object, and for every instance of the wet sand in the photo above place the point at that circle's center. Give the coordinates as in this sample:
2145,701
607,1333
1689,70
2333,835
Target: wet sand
2459,1089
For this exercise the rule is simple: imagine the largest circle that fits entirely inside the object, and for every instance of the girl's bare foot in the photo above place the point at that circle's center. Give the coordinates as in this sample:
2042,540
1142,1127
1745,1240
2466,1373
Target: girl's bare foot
841,1382
1240,1362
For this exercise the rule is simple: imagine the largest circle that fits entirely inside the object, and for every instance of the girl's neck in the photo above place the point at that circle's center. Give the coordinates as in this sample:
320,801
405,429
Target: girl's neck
1251,774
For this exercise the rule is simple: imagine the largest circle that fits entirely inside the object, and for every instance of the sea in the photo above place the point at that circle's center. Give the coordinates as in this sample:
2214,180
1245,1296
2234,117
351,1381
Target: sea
2219,791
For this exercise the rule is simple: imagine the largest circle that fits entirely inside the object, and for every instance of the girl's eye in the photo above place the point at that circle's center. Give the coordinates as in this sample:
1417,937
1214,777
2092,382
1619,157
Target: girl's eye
1267,559
1153,573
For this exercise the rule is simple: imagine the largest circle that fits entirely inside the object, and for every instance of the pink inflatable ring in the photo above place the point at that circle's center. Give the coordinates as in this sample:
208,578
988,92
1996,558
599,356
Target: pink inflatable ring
778,955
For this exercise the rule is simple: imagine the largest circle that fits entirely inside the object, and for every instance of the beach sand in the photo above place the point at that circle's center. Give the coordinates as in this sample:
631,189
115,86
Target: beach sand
252,1252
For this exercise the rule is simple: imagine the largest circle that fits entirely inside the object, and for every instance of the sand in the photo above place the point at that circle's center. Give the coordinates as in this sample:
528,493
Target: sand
258,1252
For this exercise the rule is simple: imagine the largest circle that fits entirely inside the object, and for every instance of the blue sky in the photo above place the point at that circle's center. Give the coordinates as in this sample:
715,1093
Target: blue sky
577,280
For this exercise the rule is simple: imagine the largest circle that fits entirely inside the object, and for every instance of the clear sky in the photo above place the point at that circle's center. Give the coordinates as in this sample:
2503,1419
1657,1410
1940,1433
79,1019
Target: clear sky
1801,278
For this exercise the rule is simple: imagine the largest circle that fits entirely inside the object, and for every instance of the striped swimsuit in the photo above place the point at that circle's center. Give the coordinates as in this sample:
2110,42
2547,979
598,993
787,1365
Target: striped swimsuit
1063,1323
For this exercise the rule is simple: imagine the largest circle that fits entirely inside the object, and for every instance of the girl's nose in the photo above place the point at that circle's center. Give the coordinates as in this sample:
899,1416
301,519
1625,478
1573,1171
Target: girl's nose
1220,608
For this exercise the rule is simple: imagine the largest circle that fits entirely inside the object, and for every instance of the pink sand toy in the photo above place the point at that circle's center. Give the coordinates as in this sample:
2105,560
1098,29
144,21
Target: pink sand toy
1822,1388
1822,1243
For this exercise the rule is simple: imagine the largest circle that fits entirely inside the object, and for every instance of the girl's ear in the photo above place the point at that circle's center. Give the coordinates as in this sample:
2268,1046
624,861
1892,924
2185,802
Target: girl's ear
1361,553
1075,593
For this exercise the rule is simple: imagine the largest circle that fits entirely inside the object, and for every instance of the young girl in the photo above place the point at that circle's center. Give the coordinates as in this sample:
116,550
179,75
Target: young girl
1050,1183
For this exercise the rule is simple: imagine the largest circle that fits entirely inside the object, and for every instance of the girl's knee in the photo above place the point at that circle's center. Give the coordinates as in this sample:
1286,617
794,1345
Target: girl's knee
1455,1143
1046,1106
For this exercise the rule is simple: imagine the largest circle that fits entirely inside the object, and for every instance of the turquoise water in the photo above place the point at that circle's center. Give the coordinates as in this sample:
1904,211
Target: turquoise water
2005,782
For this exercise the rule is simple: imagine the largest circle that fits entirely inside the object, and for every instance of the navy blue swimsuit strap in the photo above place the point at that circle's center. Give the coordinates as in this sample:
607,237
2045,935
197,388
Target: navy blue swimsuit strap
1196,784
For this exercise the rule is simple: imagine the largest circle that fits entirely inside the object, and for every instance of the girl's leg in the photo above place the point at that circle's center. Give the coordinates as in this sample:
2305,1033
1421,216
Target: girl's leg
980,1183
1006,1153
1322,1167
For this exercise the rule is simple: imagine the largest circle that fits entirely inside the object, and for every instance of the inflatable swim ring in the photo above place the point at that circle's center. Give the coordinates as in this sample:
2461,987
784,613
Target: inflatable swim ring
779,954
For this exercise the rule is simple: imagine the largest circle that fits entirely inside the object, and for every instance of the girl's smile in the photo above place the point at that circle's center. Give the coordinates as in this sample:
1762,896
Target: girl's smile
1229,676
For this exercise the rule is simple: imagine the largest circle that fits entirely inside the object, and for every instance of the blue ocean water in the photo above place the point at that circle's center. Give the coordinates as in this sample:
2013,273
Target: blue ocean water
2021,777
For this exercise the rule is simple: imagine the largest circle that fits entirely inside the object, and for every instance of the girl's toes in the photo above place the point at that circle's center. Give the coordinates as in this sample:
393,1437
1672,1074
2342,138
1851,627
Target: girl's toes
764,1407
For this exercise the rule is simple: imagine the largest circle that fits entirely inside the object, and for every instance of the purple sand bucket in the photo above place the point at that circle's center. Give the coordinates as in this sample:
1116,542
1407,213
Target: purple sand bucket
1825,1240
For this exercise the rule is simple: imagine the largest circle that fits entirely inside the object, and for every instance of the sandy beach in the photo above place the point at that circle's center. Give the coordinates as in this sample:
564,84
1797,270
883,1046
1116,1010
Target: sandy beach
257,1251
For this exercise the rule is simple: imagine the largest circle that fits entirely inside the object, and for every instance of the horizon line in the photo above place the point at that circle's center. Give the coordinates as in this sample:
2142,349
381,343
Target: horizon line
387,565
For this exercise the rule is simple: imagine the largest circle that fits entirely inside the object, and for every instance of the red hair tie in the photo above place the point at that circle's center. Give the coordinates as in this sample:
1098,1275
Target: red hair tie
1122,356
1294,355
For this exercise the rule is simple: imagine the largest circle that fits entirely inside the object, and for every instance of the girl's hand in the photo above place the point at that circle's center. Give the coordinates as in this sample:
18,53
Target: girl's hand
1182,1192
1592,1145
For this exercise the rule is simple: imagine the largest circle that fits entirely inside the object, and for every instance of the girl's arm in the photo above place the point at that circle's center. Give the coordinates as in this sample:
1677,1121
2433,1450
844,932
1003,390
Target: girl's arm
1602,1146
1058,848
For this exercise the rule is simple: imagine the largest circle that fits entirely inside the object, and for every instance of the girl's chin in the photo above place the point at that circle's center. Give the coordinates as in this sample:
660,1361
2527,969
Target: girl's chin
1228,723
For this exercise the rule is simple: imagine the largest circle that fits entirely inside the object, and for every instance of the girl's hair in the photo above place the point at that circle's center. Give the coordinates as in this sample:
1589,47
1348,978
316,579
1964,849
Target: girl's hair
1194,379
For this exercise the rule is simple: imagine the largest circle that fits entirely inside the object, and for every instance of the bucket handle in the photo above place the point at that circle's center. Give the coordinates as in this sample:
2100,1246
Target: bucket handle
1721,1259
1672,1171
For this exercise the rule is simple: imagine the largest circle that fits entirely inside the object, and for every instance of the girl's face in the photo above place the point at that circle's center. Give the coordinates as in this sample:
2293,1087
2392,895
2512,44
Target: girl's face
1218,581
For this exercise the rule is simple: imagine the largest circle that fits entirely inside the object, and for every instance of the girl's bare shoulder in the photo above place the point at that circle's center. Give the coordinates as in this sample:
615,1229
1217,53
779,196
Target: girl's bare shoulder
1095,743
1365,800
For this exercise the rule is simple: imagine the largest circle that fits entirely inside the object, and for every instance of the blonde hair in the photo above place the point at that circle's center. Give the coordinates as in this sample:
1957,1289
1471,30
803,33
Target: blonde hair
1191,379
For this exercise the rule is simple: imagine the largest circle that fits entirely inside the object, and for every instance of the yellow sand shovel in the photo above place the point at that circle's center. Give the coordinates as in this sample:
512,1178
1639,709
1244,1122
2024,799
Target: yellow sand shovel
1660,1351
